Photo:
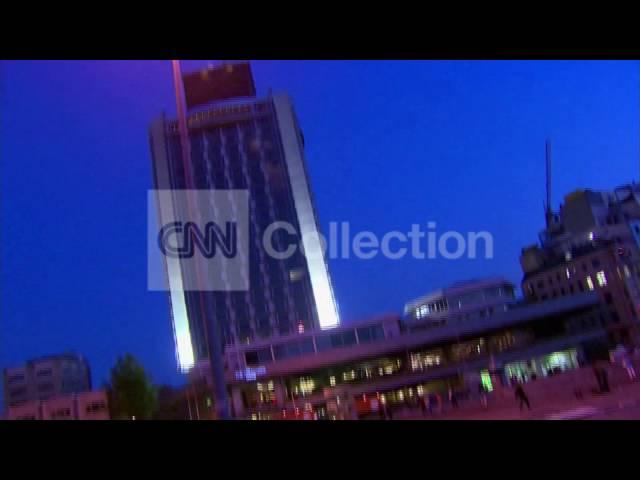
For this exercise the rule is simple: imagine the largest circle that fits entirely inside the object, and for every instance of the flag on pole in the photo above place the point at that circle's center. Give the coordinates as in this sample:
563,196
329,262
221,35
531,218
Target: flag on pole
219,83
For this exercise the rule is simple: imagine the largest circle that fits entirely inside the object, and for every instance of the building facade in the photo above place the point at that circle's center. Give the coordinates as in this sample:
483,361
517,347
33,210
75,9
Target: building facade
81,406
385,360
591,244
46,377
256,146
460,303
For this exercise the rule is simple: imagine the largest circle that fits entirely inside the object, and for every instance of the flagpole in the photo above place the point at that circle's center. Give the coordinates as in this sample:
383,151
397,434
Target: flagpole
215,348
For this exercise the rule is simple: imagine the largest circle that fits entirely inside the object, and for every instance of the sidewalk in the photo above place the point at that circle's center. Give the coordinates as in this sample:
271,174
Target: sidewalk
589,405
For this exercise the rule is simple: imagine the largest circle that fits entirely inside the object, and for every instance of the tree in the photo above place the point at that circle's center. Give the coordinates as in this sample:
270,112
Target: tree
132,395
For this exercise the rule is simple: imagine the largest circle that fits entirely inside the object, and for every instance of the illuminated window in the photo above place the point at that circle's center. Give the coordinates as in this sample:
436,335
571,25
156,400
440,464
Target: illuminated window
307,385
332,381
567,272
422,311
348,376
416,364
590,236
420,390
295,275
486,380
589,282
602,279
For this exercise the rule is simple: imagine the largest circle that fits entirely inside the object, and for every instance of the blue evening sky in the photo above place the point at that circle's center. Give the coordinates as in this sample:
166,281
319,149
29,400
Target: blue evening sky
389,143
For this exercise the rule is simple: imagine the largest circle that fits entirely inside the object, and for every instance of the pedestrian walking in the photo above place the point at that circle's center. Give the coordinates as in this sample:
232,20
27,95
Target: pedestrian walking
483,395
628,366
423,405
453,400
522,397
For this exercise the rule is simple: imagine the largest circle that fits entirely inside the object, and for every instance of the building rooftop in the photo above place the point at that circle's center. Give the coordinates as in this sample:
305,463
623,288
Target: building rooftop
459,288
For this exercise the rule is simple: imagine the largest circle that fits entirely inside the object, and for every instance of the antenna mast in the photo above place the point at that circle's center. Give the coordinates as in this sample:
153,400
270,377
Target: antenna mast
548,210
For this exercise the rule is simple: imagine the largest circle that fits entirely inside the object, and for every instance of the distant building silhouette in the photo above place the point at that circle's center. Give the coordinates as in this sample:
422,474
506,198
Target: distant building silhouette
46,377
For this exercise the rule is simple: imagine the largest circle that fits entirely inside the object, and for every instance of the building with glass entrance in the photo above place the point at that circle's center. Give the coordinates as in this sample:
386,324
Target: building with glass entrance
382,361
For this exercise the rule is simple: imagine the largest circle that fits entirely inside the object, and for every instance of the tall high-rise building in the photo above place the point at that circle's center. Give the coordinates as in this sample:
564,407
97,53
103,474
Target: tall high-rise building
254,145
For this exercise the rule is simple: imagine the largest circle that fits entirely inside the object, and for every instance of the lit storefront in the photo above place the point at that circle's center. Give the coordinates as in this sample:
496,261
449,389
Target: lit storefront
395,367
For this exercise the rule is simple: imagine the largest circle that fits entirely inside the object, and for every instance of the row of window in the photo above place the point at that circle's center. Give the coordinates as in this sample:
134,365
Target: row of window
65,412
418,361
433,307
17,378
323,343
20,377
595,263
600,277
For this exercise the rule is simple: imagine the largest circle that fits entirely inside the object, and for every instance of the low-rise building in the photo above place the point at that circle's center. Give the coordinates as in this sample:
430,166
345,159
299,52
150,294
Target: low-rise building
82,406
46,377
460,303
388,360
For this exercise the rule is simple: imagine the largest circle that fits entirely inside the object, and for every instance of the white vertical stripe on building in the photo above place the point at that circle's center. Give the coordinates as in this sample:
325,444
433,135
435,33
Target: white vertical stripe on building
317,267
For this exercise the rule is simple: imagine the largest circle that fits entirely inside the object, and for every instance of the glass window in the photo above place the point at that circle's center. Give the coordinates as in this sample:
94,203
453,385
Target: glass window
323,343
343,339
61,413
306,345
364,335
589,282
96,407
377,332
18,391
16,379
280,352
370,334
293,349
258,357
